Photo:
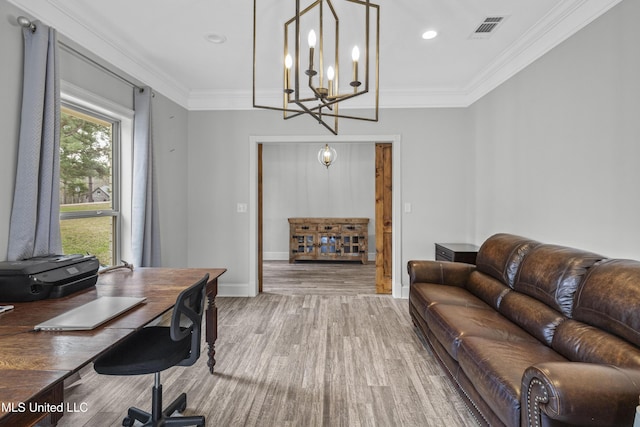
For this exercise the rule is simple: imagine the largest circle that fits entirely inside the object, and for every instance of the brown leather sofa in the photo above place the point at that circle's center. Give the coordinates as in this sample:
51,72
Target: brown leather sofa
534,334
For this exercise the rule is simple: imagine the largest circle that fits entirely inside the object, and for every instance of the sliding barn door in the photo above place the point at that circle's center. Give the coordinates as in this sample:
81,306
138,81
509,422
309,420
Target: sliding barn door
384,191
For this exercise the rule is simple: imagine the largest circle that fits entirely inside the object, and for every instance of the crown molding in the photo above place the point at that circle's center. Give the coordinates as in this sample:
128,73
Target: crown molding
243,100
423,98
221,100
564,20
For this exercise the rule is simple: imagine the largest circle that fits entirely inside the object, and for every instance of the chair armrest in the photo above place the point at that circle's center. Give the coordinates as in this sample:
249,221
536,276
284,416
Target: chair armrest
439,272
585,394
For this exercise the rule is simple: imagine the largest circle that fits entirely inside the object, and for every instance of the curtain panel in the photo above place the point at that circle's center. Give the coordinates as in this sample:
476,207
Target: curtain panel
145,226
34,228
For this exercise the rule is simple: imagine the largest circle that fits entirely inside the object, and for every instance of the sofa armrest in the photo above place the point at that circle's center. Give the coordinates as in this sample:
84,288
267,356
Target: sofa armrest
439,272
584,394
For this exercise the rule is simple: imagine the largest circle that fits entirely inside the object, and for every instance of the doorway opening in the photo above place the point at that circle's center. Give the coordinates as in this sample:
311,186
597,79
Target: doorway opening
257,229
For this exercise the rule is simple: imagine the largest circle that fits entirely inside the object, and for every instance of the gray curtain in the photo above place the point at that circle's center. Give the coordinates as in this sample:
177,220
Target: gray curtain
145,239
34,229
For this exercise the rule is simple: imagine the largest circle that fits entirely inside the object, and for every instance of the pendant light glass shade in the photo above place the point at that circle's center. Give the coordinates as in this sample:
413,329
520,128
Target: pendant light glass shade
327,155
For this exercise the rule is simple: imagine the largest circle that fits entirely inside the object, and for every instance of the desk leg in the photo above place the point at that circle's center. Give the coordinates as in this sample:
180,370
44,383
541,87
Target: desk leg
212,322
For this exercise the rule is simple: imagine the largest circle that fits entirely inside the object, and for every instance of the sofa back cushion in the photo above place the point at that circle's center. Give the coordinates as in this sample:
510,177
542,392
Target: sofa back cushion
501,254
552,274
609,299
535,317
487,288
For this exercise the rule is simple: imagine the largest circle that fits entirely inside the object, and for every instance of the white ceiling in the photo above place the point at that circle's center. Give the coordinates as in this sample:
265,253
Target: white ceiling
162,43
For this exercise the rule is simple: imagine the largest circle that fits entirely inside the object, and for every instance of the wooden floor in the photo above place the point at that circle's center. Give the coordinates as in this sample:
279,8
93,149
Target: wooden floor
316,348
319,278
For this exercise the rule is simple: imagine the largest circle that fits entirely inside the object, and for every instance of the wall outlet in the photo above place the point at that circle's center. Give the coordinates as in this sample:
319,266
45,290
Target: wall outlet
241,208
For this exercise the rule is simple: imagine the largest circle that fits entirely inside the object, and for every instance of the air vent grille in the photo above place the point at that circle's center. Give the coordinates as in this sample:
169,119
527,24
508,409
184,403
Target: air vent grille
487,27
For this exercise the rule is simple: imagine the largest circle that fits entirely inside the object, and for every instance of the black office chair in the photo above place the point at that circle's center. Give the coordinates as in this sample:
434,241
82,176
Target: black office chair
156,348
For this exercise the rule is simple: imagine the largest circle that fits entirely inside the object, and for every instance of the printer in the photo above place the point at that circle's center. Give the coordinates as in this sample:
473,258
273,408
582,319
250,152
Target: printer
51,276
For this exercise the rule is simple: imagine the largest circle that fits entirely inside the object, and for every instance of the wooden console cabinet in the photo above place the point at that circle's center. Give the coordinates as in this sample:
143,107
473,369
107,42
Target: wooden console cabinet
328,239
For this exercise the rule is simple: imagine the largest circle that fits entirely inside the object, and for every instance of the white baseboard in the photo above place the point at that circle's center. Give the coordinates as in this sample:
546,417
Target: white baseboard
404,292
233,290
275,256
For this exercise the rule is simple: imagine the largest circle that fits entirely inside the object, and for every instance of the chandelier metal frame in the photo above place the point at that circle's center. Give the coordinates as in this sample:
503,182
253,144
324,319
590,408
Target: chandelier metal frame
323,102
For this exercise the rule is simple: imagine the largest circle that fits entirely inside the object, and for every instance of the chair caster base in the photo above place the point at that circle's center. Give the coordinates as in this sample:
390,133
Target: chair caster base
164,419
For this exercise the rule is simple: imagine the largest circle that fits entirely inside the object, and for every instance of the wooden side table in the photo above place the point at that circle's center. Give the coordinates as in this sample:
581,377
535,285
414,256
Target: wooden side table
456,252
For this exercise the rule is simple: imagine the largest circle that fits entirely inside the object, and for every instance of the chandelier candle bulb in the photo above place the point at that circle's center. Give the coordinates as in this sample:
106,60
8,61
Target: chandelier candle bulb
288,62
312,45
355,55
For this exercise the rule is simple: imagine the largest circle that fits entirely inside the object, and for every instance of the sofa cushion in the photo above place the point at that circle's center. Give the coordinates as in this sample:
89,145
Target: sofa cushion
609,297
487,288
552,274
579,342
536,318
450,323
425,294
501,254
495,368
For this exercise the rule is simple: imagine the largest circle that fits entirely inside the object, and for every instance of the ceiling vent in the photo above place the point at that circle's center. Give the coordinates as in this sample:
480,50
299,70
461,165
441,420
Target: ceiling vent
487,27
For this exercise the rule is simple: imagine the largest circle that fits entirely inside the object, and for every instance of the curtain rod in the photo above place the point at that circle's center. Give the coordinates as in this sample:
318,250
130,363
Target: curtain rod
26,23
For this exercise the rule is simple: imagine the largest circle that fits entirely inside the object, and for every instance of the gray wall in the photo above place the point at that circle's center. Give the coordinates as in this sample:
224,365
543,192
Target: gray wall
558,144
170,153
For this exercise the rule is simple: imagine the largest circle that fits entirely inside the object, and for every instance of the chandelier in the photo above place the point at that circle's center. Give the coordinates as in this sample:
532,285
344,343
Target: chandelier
307,65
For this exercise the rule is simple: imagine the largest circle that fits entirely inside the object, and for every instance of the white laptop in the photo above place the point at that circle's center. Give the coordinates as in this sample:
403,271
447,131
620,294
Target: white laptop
90,315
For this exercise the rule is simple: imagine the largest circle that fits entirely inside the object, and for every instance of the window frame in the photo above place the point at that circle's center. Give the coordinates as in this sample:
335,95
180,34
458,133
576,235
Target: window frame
121,119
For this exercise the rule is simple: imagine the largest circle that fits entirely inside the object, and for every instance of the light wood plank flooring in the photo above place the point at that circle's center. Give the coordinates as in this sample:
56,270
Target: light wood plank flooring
319,278
310,351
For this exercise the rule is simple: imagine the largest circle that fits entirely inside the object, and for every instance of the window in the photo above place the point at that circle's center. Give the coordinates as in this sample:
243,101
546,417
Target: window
89,183
95,175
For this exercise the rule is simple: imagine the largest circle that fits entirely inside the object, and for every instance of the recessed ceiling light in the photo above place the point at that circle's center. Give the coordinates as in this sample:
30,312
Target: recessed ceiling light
216,38
428,35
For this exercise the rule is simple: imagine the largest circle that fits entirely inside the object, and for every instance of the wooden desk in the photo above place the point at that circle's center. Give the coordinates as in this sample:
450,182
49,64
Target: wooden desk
33,365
